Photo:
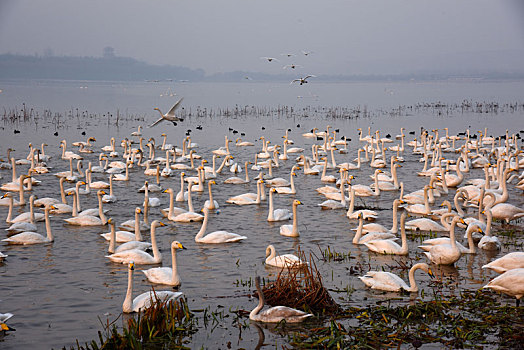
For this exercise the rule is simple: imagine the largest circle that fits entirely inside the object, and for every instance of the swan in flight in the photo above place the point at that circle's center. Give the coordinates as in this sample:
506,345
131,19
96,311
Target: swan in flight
269,59
169,116
276,313
143,301
303,80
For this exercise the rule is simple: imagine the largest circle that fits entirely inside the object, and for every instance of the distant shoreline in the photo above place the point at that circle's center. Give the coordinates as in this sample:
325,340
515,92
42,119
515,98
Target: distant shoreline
125,69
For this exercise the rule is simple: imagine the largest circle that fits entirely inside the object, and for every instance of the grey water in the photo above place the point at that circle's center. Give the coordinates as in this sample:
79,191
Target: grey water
65,291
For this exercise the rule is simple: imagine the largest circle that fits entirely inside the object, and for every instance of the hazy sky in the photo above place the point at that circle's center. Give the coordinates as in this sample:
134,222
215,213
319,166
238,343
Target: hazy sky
346,37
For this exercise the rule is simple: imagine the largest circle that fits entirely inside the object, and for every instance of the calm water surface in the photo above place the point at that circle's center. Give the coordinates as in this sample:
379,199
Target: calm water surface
61,292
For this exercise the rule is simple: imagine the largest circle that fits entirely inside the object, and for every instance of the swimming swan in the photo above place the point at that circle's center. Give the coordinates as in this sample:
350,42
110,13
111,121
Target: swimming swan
292,230
277,214
166,275
217,236
388,246
143,301
286,260
139,256
29,237
276,313
392,283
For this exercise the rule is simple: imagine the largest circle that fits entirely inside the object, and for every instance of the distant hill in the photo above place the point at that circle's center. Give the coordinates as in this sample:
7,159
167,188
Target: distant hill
90,68
116,68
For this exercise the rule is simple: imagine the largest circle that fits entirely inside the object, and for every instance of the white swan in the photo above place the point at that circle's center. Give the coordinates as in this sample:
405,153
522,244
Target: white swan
392,283
143,301
286,260
389,246
235,180
248,198
171,211
374,227
446,254
139,256
29,216
277,214
217,236
131,225
510,282
135,244
489,242
211,203
125,236
90,220
286,189
29,237
276,313
514,260
292,230
190,215
366,191
166,275
370,235
428,243
366,213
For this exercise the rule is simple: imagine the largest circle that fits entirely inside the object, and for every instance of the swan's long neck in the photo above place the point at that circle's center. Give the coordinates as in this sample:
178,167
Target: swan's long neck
174,270
489,218
171,205
342,194
261,300
112,239
32,209
128,301
138,234
101,210
412,283
471,244
189,199
394,228
211,201
377,189
21,199
270,216
427,209
452,233
146,205
48,224
13,167
294,231
203,228
292,183
245,169
156,252
75,205
358,234
404,249
351,201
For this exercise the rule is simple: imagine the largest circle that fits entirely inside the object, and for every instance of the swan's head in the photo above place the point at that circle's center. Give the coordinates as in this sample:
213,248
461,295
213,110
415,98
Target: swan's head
156,109
101,192
6,195
177,245
212,182
70,193
138,210
268,250
110,221
297,202
131,266
167,190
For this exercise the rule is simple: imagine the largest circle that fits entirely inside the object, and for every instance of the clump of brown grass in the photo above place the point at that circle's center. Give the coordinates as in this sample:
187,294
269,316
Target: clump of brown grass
300,288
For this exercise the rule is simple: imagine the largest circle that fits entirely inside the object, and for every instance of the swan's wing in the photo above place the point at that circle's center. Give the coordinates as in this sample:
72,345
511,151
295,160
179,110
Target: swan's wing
5,317
222,237
175,106
144,300
383,281
155,123
159,274
310,76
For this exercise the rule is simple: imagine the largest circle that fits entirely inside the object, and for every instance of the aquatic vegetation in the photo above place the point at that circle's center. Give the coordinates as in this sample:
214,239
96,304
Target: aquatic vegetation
162,325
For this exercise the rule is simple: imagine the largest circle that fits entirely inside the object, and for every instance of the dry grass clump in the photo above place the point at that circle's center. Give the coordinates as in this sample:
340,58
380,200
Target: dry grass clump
300,288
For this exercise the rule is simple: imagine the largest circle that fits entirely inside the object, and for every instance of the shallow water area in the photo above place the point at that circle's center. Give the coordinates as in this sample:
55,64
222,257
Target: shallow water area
64,291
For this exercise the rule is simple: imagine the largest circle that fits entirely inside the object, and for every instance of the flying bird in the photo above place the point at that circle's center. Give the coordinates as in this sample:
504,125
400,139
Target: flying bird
292,66
169,116
270,59
288,54
302,80
307,53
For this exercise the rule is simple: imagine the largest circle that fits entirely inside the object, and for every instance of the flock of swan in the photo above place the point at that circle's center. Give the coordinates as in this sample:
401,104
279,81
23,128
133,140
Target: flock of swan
448,163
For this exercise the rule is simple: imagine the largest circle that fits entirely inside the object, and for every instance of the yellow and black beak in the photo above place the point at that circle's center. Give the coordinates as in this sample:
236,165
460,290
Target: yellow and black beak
4,327
430,273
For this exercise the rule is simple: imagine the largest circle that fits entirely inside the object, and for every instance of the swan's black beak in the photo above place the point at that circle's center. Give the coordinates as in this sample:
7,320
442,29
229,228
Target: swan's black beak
174,123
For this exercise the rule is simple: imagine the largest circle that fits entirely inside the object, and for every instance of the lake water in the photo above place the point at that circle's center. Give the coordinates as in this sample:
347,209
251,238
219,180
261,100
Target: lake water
60,292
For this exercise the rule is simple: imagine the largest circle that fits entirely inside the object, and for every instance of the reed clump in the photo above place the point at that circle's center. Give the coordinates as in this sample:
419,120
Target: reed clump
163,325
301,288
